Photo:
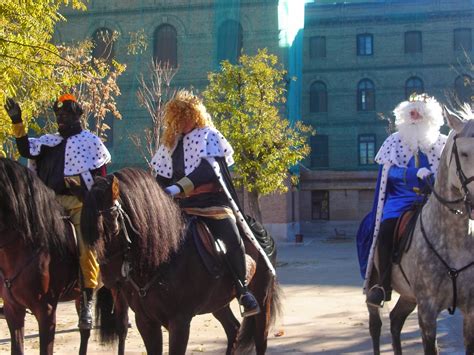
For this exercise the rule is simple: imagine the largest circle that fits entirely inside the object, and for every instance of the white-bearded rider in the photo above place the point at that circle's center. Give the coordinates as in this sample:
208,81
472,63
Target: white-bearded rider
406,159
191,164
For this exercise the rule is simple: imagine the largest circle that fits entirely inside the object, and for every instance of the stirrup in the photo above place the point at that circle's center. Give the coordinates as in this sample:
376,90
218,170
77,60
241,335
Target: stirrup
383,299
252,312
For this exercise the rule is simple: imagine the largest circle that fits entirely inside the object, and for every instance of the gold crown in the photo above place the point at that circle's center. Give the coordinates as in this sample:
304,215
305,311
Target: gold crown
419,97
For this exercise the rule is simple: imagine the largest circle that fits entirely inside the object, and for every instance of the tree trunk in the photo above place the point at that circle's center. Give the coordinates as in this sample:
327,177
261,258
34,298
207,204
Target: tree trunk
254,204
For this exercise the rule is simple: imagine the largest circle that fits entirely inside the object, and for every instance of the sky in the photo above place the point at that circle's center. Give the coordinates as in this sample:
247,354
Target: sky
290,19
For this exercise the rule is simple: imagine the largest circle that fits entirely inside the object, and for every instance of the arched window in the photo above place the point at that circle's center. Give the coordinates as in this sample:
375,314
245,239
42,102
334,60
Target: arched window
414,85
365,95
463,89
318,97
103,44
229,41
165,46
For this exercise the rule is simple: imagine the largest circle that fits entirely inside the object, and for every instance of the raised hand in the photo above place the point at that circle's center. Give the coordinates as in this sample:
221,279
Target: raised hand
13,110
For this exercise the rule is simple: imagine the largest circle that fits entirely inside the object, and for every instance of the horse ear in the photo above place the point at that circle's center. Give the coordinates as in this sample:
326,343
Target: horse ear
454,121
115,189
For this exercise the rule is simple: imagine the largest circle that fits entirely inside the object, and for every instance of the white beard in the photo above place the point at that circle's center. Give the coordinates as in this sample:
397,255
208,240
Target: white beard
420,135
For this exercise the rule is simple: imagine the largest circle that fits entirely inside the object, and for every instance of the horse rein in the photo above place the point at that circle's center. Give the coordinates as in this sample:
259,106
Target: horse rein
452,272
466,198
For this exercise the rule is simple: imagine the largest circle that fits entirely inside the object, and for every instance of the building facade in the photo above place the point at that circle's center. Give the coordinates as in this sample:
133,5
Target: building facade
360,59
192,35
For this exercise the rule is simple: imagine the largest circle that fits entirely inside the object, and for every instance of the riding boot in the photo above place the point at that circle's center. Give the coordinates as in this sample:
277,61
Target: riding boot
85,311
248,304
382,292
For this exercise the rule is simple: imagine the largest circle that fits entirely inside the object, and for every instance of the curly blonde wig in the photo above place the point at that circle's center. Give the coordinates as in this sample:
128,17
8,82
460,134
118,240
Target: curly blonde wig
184,109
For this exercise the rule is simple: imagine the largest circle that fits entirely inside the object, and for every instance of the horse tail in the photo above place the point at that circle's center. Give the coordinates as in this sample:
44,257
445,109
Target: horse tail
271,310
255,329
105,317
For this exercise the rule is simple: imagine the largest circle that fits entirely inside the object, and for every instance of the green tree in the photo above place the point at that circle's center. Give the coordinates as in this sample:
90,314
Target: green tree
35,71
28,59
246,102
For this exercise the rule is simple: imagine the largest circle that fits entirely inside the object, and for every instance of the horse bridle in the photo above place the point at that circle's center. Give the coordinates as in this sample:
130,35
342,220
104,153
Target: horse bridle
126,264
464,180
453,273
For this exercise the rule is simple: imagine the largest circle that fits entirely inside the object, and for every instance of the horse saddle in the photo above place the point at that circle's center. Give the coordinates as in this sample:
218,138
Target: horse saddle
212,251
403,233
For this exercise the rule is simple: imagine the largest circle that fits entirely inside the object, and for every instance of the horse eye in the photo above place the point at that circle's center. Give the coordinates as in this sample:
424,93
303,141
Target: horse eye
464,155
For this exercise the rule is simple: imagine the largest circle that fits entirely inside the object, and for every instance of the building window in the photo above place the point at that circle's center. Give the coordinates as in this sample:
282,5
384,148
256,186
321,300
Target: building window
413,42
414,85
463,39
320,205
463,88
318,97
365,95
366,149
319,151
165,46
365,44
103,44
229,41
317,47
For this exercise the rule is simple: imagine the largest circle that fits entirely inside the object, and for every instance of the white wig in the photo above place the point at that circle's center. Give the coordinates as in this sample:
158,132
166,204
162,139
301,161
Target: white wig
422,131
428,108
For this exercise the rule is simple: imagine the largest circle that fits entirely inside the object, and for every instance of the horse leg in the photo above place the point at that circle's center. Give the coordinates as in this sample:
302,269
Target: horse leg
427,321
85,335
151,334
179,335
375,326
15,317
468,330
231,326
46,318
398,315
121,319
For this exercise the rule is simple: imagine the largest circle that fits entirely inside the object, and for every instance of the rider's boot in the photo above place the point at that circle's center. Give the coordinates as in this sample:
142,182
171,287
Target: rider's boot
382,292
85,311
248,304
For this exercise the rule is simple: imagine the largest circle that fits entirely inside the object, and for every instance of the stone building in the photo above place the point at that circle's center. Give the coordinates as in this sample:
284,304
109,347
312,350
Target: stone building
360,59
193,35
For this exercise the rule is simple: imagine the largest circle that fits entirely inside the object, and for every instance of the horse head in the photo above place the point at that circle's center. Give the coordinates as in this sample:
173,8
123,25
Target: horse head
460,155
102,223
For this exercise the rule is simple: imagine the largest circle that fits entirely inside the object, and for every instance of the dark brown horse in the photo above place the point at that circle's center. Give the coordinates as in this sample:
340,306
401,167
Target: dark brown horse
139,235
38,259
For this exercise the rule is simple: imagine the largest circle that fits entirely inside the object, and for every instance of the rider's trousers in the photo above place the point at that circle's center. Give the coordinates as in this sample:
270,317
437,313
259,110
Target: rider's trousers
87,258
226,230
384,252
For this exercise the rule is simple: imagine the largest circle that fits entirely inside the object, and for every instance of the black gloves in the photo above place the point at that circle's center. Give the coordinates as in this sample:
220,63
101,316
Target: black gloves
13,110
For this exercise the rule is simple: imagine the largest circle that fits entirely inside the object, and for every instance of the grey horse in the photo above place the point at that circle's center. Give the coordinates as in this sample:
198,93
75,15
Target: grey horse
437,271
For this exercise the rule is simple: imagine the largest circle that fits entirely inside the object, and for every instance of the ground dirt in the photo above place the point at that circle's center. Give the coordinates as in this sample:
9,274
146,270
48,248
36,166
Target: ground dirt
324,312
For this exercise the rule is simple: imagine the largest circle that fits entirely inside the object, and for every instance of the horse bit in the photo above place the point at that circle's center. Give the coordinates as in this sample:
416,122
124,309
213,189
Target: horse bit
453,273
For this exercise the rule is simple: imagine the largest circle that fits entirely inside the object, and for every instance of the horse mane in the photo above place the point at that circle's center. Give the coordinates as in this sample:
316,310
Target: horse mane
29,207
154,215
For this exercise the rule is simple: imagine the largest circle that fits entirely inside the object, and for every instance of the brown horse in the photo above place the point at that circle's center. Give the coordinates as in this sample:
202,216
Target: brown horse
139,235
38,258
